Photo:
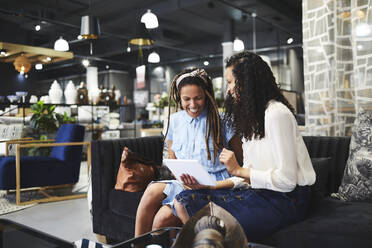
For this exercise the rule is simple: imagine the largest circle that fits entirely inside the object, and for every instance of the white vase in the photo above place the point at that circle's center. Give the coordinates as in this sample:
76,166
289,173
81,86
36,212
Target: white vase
55,93
70,93
33,99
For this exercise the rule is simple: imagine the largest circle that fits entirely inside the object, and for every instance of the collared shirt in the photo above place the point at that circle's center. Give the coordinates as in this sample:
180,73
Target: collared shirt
188,139
280,160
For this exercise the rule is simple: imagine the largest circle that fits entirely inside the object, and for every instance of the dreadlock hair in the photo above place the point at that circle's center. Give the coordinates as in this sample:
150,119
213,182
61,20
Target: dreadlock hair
255,86
213,122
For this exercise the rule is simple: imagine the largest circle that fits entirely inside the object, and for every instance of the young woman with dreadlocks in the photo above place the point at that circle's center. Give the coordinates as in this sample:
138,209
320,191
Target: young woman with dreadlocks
195,132
271,190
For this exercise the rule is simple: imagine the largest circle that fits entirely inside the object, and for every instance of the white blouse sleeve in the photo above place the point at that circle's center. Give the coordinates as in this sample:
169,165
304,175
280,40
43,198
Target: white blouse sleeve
280,130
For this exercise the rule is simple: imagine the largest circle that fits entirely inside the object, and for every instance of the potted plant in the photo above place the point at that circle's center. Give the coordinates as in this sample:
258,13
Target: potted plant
44,123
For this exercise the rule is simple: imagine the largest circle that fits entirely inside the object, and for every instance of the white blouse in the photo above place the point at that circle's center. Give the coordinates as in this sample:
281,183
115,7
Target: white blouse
280,160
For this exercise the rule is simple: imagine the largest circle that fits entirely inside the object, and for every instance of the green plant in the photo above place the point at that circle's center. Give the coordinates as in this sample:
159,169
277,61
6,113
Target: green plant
44,118
64,119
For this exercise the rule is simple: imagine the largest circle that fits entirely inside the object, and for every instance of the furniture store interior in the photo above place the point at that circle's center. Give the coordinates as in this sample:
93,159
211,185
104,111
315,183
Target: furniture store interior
149,123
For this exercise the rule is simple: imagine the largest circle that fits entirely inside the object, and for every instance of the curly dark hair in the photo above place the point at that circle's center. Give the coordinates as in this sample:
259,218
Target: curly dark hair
213,122
255,86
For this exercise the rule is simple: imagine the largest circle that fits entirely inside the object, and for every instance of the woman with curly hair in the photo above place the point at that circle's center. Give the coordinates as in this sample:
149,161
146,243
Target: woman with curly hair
271,190
195,132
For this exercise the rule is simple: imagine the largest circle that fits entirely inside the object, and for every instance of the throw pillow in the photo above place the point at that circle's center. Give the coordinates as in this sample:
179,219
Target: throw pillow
134,173
322,169
356,183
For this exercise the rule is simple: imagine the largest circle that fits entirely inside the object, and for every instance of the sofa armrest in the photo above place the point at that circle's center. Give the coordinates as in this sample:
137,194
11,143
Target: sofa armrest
337,148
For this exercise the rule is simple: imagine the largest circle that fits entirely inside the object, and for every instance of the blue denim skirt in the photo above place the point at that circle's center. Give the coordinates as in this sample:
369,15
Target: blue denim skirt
260,212
174,187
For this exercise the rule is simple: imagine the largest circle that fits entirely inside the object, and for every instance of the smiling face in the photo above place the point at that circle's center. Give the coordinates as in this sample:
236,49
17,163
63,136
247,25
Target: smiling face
230,78
192,99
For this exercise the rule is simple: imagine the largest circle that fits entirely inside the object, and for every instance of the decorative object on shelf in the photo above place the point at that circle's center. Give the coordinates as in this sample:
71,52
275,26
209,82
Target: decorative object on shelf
55,93
13,98
22,64
92,83
22,95
33,99
70,93
45,99
82,94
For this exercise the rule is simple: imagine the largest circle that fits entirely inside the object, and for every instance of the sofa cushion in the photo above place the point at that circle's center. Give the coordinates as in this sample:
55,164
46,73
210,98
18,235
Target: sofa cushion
356,184
332,223
322,169
124,203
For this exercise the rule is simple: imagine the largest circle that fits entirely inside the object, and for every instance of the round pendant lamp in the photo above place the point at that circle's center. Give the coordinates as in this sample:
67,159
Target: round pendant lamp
22,64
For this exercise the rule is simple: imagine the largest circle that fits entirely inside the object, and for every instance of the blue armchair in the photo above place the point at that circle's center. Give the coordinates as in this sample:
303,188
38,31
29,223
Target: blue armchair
60,168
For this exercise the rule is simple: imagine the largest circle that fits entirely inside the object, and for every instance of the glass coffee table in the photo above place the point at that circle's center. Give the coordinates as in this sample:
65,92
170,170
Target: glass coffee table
16,235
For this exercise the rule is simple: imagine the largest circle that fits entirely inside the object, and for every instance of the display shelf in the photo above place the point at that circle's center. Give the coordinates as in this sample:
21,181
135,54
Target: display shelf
93,115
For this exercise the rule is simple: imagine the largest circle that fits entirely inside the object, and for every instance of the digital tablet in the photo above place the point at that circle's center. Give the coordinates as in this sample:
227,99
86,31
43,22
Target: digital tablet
191,167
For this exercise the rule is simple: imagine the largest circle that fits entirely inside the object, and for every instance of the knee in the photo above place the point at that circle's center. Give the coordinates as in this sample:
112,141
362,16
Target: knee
163,219
154,192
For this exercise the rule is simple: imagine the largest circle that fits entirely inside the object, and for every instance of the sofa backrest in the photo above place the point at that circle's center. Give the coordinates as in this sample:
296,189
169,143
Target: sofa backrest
335,147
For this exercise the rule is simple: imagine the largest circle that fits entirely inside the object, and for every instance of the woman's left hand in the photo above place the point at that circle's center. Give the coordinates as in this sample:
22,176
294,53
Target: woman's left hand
191,183
228,158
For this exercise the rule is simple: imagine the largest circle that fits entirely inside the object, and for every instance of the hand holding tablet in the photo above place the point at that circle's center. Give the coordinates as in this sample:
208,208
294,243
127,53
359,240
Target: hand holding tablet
191,167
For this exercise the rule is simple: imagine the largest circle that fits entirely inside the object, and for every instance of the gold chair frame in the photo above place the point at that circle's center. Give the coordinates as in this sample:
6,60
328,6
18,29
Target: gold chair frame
28,143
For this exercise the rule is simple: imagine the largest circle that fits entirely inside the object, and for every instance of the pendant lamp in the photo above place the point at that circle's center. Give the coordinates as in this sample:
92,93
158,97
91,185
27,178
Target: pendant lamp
22,64
90,28
153,57
61,45
141,36
150,20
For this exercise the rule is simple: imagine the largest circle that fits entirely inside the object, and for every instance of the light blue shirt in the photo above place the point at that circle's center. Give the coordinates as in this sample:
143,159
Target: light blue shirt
188,139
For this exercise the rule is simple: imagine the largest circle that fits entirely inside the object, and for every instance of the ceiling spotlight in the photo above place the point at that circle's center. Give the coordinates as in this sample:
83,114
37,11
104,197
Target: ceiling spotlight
80,37
128,49
26,76
85,62
206,62
61,45
39,66
290,40
150,20
37,27
153,57
107,67
238,45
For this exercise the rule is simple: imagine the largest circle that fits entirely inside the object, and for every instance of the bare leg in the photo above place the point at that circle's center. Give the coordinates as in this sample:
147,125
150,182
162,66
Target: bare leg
165,218
149,205
181,212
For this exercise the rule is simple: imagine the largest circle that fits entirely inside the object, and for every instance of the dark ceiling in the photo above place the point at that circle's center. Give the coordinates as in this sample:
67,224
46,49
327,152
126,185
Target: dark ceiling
188,29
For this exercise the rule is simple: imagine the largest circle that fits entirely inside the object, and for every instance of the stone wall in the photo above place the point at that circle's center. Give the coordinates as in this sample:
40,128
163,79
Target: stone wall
337,63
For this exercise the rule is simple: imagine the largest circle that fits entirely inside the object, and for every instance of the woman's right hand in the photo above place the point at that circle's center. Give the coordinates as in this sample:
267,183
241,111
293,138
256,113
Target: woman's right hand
191,183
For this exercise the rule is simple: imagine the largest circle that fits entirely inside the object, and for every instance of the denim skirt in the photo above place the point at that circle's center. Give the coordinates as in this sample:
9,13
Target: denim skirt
260,212
174,187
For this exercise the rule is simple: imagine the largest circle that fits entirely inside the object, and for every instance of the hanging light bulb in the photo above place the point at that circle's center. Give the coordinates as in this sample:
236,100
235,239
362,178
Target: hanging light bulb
238,45
290,40
206,62
61,45
153,57
85,62
150,20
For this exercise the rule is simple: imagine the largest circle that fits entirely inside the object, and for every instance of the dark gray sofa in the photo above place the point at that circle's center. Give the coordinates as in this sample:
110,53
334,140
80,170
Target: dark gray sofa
330,223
